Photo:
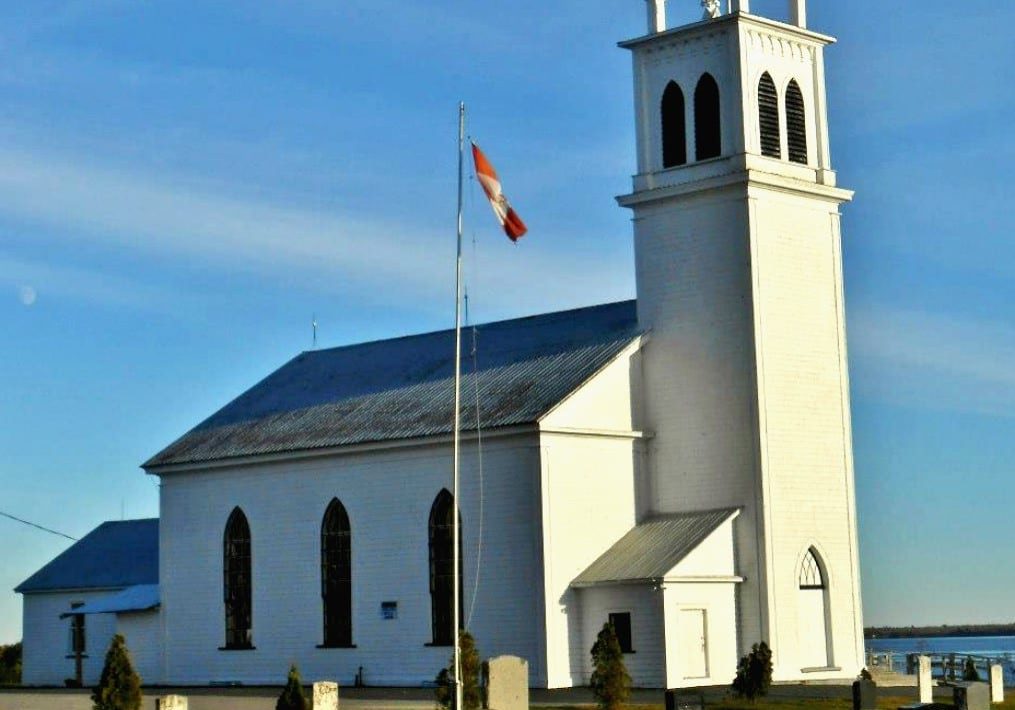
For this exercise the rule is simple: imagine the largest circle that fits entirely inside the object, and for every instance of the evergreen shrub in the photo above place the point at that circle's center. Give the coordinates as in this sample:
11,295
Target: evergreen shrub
610,682
754,673
292,697
119,685
472,692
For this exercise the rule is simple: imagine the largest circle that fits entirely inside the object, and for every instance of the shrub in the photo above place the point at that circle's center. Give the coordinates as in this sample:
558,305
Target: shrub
119,685
610,682
969,671
10,663
472,693
754,672
292,697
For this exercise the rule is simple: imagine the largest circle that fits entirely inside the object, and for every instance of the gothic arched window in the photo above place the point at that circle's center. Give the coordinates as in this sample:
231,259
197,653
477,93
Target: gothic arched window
237,582
336,575
674,128
768,117
441,569
707,128
796,124
812,620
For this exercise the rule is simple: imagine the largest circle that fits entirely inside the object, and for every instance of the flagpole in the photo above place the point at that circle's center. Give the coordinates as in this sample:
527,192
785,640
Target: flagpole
458,393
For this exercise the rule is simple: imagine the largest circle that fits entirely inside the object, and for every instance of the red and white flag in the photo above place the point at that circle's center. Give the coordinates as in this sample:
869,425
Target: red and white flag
513,225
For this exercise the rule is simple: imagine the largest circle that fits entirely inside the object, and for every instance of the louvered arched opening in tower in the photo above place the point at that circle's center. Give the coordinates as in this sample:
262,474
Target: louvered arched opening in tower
796,124
707,128
768,117
674,127
236,581
442,569
812,600
336,575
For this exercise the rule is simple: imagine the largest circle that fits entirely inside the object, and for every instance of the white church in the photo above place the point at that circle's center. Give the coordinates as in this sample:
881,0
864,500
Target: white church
680,464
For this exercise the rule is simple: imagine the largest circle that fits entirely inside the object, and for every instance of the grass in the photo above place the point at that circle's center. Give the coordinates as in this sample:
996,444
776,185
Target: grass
886,701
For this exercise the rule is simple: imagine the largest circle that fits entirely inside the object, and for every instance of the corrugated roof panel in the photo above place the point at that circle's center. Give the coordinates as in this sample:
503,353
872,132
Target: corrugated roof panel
119,553
403,388
653,547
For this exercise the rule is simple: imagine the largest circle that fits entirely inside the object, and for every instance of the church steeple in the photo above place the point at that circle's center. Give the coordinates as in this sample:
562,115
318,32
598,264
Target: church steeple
739,279
771,93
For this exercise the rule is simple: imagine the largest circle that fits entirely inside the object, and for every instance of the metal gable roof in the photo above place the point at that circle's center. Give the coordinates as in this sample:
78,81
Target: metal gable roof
653,547
119,553
403,388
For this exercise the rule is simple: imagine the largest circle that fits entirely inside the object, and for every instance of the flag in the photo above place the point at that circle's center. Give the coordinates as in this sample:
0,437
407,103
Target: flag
513,225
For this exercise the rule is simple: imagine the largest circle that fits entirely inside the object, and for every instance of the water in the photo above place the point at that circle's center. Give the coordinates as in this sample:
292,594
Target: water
991,646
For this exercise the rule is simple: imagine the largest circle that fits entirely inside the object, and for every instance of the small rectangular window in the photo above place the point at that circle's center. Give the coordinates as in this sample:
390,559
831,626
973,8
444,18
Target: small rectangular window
389,610
621,622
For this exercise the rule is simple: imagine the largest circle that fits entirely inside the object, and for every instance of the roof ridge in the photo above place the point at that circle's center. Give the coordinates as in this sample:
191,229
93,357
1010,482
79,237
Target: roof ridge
487,324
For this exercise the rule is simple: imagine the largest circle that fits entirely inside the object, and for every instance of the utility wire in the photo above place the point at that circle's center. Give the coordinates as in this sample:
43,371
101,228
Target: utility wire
39,527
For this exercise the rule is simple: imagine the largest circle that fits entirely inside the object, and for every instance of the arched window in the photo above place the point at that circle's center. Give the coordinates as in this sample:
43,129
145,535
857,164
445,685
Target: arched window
707,128
768,117
812,629
237,583
796,124
441,569
674,128
336,575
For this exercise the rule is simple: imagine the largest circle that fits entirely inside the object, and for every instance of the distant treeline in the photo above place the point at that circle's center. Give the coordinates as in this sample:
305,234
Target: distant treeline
887,632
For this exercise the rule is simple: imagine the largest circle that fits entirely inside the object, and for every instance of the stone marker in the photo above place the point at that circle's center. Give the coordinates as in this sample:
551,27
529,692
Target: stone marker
507,683
996,683
325,696
171,702
971,696
924,681
865,694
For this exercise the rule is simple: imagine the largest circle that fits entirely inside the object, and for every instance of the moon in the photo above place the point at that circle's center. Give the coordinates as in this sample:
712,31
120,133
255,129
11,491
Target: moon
28,295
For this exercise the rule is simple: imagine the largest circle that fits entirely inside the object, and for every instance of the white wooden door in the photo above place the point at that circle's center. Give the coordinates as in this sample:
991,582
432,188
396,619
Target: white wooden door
692,643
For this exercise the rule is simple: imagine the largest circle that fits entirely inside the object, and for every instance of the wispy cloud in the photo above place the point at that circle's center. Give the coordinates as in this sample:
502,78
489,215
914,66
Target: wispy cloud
162,218
934,361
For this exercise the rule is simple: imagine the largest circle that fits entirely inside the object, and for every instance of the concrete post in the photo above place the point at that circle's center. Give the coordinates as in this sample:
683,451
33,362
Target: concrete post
924,681
996,683
325,696
171,702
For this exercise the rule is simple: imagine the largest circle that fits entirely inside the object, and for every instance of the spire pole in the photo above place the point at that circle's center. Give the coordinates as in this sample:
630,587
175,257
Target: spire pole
456,588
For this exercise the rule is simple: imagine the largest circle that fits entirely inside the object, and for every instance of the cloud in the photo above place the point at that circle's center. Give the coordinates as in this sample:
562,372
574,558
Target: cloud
936,361
163,217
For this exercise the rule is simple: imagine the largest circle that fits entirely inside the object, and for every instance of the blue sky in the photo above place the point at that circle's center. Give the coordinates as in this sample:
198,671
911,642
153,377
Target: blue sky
184,185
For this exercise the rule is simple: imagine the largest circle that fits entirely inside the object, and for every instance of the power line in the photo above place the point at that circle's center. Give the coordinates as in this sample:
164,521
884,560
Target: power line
39,527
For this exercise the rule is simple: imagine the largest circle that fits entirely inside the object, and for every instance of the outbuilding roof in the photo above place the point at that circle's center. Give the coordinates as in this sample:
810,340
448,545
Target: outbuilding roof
116,554
140,597
653,547
403,388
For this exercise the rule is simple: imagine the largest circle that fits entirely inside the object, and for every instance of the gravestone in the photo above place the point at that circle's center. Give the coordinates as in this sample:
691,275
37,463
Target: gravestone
171,702
923,680
971,695
996,683
325,696
865,694
507,683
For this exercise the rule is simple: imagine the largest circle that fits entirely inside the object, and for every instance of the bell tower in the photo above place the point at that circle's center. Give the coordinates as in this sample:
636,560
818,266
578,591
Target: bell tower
739,279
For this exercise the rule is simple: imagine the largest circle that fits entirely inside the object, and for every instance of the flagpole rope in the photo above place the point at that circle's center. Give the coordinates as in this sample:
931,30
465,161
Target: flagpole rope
479,423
